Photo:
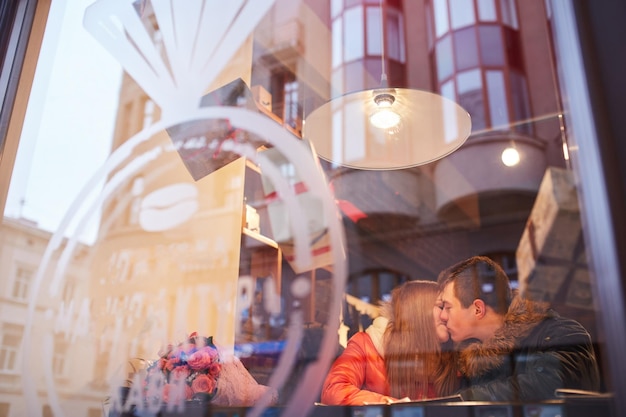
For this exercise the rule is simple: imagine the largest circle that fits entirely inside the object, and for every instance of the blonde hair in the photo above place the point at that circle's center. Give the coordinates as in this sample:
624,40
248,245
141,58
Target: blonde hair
413,353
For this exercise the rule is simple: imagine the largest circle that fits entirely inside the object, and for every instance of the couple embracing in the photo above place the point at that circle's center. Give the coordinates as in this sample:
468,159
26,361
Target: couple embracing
467,334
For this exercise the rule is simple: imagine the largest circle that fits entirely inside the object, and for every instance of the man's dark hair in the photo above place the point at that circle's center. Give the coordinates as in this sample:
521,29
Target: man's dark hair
479,277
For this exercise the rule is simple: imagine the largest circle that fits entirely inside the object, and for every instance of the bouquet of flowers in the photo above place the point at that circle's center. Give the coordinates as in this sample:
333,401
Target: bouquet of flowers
187,371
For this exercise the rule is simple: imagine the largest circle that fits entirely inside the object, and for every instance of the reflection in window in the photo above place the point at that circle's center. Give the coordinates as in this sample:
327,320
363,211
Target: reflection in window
441,17
148,113
445,66
374,286
59,364
291,113
21,283
509,15
68,290
507,261
521,104
337,39
374,31
487,10
480,50
101,364
335,7
359,31
10,340
395,36
462,13
491,46
447,90
353,34
470,93
465,49
496,92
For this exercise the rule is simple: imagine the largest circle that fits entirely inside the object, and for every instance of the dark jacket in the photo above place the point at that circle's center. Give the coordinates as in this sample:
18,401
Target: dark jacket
535,352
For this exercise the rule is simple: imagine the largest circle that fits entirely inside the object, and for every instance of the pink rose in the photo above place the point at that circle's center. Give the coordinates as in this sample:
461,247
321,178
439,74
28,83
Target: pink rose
170,363
215,369
201,359
203,383
180,372
161,363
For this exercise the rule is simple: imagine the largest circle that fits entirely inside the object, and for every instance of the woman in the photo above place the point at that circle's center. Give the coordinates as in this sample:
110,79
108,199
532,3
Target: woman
399,357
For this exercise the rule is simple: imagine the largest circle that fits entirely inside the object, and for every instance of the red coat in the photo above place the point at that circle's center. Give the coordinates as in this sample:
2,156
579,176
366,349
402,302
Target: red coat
357,376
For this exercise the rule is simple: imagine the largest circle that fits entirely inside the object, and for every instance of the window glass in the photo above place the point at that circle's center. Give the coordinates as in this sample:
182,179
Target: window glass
336,6
496,92
338,85
445,63
337,47
441,17
21,283
521,104
465,48
138,214
149,116
292,110
353,42
487,10
374,31
462,13
509,13
11,339
448,91
491,45
60,357
395,36
470,90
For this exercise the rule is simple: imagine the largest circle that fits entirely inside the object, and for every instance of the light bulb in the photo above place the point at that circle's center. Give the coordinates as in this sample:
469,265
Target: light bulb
510,157
384,117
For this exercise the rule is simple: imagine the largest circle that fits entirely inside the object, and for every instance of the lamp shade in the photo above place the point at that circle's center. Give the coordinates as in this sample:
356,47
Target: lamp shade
419,127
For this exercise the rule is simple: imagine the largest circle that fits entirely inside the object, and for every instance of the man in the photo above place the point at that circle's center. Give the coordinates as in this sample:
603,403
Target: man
511,348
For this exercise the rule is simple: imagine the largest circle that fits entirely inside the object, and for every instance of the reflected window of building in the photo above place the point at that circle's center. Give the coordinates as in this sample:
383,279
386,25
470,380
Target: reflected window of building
286,97
21,282
148,113
94,412
59,363
101,364
69,289
394,43
375,285
477,45
358,42
11,338
508,263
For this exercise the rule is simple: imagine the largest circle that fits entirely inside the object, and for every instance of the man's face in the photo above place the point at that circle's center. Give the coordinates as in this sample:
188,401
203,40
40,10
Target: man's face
460,321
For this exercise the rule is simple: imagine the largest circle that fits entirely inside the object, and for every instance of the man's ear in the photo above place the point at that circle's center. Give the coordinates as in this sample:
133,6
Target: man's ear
479,308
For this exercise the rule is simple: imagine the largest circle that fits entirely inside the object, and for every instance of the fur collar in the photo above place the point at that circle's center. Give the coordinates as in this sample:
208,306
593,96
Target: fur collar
478,358
376,332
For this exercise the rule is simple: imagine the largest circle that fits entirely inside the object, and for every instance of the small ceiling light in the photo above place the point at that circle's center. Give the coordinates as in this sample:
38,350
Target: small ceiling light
384,117
510,156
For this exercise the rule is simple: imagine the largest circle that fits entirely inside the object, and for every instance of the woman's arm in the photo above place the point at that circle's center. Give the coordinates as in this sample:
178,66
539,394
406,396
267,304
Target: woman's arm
357,376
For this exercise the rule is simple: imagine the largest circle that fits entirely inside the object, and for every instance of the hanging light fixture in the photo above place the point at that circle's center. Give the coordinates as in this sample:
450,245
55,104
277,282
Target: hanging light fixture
387,128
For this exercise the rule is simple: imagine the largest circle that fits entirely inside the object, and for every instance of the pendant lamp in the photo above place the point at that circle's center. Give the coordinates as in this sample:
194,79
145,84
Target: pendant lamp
387,128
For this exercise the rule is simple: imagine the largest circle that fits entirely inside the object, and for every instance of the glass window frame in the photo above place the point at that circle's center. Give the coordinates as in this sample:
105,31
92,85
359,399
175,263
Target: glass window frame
594,171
